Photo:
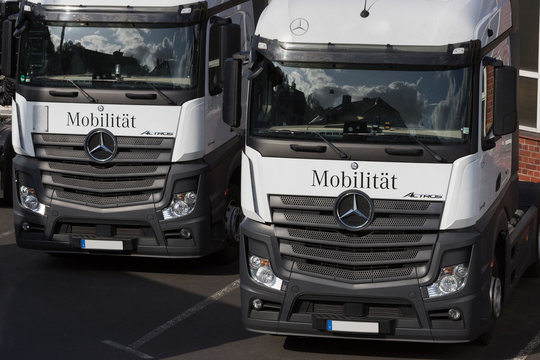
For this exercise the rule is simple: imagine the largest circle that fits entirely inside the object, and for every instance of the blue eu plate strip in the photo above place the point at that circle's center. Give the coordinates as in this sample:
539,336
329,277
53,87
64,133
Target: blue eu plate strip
83,244
329,325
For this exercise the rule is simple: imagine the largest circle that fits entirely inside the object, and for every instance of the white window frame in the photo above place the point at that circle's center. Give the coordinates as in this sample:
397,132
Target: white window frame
534,75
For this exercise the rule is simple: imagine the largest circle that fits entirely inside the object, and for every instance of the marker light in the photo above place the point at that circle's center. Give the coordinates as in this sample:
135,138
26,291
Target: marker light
261,271
182,204
29,200
450,280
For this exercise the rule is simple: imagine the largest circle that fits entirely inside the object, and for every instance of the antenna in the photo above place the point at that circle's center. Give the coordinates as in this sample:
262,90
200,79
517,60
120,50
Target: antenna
364,12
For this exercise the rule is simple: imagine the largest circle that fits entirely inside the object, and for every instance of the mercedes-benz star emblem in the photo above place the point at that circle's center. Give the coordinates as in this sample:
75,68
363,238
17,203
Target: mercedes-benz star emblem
354,210
299,26
101,145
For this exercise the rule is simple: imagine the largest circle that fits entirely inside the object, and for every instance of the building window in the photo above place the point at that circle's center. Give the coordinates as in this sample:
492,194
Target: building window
529,12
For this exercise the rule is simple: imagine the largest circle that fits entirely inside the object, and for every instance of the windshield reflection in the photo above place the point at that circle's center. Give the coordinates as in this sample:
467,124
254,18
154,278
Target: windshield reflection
360,105
110,56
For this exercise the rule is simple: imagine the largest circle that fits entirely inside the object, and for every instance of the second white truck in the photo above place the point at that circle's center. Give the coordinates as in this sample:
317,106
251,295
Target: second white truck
380,173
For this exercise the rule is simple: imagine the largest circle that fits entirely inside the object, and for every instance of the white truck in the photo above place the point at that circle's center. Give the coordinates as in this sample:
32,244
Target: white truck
380,173
117,125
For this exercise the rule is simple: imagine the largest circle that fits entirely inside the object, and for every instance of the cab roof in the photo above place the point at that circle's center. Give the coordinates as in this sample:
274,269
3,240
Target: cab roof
397,22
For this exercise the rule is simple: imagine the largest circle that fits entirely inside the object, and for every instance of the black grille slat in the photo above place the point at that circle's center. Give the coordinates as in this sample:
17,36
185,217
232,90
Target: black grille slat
381,206
363,258
136,175
393,222
150,156
357,240
397,244
79,140
114,171
96,184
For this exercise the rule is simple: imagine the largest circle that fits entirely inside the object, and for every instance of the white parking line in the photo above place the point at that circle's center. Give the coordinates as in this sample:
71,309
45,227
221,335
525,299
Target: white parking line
7,233
118,346
527,350
132,348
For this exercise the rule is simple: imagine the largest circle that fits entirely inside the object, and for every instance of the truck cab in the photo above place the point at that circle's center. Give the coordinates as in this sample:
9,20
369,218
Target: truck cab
120,146
379,176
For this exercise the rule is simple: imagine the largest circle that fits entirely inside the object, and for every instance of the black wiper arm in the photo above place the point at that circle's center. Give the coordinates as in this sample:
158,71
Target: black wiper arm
436,156
87,95
341,154
161,93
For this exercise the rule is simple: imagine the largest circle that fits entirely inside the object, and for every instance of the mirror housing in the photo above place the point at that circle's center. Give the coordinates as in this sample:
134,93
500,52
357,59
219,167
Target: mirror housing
225,40
7,49
505,101
232,92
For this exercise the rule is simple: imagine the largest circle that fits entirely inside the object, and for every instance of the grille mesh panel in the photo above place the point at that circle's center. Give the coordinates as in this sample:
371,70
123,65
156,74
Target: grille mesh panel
354,257
136,175
355,275
104,200
397,244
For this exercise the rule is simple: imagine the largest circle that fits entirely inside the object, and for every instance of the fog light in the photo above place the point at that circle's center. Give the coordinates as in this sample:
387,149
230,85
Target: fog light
451,279
29,200
454,314
261,271
257,304
25,226
182,204
186,233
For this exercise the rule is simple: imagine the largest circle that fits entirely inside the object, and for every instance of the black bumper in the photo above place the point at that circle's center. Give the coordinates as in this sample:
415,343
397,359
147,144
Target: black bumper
141,228
401,309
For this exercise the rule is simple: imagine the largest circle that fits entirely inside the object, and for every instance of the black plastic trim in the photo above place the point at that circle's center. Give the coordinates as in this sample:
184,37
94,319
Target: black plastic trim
105,96
282,148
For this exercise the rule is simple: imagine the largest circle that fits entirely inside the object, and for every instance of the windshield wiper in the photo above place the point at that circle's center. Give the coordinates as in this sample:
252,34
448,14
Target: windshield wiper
161,93
431,152
87,95
341,154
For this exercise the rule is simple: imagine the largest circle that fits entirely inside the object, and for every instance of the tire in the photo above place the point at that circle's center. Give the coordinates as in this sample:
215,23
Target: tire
7,200
496,301
232,219
7,91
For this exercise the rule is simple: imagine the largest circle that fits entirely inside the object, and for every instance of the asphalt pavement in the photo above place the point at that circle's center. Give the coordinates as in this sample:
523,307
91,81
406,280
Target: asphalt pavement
99,308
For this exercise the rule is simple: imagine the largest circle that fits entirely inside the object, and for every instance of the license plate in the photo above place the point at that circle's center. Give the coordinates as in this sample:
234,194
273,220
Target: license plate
102,244
353,326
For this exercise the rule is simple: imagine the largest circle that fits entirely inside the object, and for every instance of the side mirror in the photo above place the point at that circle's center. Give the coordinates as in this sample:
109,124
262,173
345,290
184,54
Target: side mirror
7,48
505,101
225,40
232,92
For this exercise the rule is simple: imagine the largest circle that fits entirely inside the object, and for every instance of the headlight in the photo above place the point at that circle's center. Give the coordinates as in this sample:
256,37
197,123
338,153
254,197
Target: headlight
181,205
450,280
262,273
29,200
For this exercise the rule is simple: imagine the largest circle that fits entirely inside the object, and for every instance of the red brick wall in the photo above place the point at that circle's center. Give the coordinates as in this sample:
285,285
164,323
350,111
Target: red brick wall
529,158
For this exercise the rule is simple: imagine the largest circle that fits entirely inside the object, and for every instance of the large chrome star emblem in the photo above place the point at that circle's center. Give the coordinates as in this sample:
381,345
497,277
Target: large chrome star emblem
354,210
101,145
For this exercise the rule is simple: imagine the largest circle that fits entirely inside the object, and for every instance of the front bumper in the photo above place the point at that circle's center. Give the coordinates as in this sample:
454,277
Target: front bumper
140,228
400,308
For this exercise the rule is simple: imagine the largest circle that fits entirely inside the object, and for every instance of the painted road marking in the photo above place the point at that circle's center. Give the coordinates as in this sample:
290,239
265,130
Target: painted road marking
527,350
118,346
132,348
7,233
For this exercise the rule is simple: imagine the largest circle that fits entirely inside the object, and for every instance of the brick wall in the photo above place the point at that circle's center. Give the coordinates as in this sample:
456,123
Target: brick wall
529,157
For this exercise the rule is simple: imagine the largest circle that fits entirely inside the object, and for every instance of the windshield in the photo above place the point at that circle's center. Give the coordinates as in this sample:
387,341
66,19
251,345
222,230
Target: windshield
113,56
354,105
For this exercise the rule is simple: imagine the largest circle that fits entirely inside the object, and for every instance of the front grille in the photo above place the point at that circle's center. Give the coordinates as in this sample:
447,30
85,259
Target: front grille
398,243
137,174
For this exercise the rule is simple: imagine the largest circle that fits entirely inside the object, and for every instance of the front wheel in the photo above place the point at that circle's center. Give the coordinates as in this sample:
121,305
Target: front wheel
232,220
496,301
